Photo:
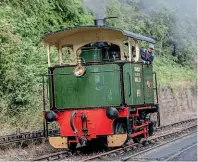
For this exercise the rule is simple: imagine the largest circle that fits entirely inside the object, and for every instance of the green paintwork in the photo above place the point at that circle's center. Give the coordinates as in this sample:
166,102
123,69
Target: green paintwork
131,86
93,90
148,76
100,86
91,55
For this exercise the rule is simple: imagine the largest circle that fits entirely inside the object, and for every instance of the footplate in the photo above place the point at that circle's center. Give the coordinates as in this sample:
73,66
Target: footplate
58,142
116,140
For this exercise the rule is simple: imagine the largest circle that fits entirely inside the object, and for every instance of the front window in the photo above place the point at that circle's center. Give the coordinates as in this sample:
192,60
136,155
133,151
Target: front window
100,52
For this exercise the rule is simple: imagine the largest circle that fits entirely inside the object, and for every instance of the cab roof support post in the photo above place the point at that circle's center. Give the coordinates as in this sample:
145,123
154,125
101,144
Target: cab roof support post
137,48
48,54
121,44
60,58
130,51
76,52
132,44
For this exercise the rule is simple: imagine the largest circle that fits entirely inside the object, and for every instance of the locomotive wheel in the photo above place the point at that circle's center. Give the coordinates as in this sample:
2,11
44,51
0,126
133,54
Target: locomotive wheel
151,128
72,147
137,139
120,128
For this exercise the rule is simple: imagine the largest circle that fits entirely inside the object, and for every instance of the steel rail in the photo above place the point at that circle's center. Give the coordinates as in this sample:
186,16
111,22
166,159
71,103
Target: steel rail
52,157
177,124
180,152
132,146
129,148
26,136
162,144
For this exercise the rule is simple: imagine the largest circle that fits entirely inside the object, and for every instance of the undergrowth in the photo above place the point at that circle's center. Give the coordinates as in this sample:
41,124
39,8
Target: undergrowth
173,75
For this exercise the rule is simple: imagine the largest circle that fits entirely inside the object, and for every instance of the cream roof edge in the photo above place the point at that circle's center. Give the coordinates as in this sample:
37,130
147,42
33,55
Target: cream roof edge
90,34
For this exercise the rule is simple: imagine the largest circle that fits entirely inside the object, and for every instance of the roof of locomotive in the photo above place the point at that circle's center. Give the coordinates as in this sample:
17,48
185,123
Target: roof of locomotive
54,37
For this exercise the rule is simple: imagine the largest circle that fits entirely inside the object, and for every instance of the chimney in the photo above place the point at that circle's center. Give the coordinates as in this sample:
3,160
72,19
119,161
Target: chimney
100,22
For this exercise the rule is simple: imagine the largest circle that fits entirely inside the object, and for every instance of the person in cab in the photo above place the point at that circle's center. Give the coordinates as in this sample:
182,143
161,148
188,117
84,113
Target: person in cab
147,56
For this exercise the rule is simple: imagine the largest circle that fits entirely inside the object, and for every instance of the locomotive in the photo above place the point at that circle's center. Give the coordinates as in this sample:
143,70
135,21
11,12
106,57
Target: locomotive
107,93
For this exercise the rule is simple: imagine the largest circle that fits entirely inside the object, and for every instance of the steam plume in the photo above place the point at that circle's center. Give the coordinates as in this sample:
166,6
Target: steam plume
185,16
98,7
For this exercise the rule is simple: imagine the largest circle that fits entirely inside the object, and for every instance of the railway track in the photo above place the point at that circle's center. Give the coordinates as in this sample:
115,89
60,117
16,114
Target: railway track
37,135
136,149
131,148
164,139
166,127
25,136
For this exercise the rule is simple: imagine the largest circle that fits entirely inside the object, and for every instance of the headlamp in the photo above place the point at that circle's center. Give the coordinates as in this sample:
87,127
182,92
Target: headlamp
79,70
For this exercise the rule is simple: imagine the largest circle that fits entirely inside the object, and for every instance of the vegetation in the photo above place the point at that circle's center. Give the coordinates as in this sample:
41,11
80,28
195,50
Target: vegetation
23,58
159,24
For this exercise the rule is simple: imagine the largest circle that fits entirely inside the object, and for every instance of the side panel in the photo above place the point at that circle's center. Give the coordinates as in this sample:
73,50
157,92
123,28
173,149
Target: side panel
128,84
100,86
138,85
148,83
133,84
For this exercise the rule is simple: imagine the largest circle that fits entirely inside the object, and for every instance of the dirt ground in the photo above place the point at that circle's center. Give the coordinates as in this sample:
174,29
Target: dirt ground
26,153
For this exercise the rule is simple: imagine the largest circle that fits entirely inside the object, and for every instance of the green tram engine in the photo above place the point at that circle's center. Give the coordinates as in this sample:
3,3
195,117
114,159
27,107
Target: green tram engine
106,93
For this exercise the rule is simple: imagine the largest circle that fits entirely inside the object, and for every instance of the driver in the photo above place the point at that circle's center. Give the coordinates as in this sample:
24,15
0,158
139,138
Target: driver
147,55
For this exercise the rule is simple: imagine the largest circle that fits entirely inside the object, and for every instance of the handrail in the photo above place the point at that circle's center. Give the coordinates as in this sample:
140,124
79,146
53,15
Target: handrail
129,84
156,88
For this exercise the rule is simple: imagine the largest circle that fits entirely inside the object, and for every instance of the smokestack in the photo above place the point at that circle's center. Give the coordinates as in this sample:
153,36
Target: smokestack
100,22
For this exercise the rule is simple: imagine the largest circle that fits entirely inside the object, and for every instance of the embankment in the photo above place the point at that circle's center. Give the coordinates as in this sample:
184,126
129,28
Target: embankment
177,105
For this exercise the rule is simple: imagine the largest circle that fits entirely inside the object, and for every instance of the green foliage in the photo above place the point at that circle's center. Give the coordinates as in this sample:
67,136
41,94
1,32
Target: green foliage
172,75
33,19
23,58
